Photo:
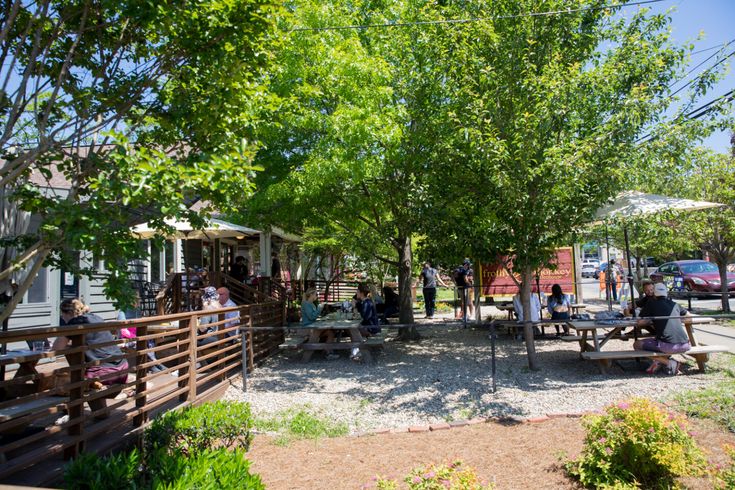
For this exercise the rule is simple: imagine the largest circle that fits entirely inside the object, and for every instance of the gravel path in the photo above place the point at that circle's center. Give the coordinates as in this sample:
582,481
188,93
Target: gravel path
446,376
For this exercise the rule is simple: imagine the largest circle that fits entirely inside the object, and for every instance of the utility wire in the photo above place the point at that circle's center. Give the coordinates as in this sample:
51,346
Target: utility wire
474,19
693,114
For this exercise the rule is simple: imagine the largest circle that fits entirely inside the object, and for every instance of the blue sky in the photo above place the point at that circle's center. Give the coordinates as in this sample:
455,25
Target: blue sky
716,19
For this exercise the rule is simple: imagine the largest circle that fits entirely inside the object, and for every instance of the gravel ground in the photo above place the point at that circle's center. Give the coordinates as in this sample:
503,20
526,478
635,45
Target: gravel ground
447,376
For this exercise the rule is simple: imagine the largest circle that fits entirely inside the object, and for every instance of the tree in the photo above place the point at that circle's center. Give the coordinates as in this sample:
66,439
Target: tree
712,178
350,148
142,108
548,113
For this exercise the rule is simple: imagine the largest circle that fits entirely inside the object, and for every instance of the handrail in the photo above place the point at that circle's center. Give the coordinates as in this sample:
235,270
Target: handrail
39,393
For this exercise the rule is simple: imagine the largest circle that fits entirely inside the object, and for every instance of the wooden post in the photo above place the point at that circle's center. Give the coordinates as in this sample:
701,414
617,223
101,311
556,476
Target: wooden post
140,373
193,332
244,349
183,347
76,368
251,365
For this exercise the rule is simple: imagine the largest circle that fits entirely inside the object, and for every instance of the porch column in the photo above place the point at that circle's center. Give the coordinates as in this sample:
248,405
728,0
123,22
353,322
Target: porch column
265,253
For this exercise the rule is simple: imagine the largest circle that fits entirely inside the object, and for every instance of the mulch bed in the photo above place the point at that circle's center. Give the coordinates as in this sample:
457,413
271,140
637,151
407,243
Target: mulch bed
513,455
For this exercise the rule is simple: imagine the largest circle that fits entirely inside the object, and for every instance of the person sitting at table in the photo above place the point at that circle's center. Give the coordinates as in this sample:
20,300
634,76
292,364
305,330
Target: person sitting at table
370,323
392,302
210,301
130,333
559,307
642,301
670,336
309,314
535,306
111,367
232,317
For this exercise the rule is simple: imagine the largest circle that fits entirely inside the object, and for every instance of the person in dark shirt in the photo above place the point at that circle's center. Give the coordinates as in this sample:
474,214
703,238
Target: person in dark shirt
240,268
643,300
370,323
670,336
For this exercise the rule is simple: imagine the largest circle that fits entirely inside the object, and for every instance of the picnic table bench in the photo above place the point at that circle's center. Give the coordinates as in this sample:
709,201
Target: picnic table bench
615,331
309,344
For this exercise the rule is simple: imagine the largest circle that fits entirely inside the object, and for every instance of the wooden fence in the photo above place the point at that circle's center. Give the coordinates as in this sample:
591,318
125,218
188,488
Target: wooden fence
39,388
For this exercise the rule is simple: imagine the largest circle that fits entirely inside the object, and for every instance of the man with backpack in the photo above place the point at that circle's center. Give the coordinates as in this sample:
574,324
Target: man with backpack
464,281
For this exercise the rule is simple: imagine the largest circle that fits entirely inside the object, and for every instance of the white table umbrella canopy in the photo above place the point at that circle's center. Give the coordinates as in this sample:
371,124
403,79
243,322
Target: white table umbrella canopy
214,228
635,203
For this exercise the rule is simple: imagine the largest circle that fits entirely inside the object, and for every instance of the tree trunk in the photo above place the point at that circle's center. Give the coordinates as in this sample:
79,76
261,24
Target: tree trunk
527,281
724,286
405,316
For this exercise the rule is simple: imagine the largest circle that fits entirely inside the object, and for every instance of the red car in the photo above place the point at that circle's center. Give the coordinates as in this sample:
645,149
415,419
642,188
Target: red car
698,275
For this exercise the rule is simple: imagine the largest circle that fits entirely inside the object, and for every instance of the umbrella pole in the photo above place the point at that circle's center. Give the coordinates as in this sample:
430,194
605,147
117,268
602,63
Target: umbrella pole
630,269
608,285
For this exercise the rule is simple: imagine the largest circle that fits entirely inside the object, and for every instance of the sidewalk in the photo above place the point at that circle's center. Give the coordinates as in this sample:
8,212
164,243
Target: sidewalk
716,335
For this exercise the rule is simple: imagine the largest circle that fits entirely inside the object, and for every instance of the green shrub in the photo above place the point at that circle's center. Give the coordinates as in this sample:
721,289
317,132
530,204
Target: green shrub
637,444
199,447
438,477
217,468
92,472
207,426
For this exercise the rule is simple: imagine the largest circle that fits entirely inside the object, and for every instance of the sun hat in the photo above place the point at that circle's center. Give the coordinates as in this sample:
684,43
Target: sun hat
209,294
660,289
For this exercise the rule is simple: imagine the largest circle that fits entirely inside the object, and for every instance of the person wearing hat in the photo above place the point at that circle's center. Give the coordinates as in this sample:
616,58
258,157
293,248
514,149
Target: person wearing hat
464,281
670,336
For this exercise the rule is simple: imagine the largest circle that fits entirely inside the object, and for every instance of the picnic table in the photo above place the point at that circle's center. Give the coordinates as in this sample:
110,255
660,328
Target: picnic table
602,331
311,343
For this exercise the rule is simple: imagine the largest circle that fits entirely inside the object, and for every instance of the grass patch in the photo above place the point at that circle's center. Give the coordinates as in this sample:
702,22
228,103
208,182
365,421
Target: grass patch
300,423
717,402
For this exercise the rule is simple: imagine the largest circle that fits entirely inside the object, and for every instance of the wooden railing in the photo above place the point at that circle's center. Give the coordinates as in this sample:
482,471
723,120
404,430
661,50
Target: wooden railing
32,430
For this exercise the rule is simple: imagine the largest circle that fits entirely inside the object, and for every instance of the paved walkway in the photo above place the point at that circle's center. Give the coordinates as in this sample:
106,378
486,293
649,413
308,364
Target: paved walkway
716,334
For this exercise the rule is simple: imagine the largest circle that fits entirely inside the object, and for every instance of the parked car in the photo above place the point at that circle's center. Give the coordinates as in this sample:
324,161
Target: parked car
590,267
698,275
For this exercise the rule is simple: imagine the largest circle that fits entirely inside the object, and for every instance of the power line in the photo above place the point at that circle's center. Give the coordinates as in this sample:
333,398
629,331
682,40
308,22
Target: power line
474,19
693,114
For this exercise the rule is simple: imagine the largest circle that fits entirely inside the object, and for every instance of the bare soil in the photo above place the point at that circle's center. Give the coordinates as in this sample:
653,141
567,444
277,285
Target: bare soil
514,456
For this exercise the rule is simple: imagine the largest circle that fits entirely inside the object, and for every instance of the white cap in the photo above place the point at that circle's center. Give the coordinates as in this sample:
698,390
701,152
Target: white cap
660,289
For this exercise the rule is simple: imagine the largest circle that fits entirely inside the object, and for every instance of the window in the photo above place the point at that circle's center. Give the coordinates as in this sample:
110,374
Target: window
38,293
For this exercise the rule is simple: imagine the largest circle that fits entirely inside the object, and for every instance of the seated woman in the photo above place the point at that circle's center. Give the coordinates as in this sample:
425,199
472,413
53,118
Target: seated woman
370,323
111,366
559,306
309,314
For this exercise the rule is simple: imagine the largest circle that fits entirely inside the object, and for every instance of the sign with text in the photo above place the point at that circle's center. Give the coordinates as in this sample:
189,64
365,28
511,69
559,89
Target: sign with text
495,281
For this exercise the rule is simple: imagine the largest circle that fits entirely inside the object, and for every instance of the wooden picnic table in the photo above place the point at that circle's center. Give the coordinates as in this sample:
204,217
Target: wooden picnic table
614,329
351,327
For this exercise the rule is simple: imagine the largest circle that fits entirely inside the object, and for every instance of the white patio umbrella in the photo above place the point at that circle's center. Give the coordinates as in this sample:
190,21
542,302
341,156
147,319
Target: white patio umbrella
634,203
182,229
213,228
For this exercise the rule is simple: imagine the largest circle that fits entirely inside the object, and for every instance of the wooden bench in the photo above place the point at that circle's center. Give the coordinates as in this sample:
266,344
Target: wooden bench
292,343
604,358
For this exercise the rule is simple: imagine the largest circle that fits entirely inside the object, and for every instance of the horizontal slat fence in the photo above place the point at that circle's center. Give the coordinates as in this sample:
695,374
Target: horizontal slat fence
32,403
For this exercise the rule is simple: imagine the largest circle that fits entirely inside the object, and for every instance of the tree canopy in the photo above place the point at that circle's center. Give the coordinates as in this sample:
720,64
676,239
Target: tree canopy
129,111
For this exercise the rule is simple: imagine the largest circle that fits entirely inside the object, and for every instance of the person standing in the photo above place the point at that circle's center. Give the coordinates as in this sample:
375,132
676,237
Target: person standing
430,277
614,272
464,280
275,267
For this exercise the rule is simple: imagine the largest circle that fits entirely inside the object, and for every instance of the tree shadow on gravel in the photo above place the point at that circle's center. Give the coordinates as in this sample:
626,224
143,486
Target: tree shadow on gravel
447,374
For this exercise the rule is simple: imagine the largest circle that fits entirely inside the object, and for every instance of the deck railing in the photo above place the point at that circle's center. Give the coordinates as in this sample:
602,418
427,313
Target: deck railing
40,388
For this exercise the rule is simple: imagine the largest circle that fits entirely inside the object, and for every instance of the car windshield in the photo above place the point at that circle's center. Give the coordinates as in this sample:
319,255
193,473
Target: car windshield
699,268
